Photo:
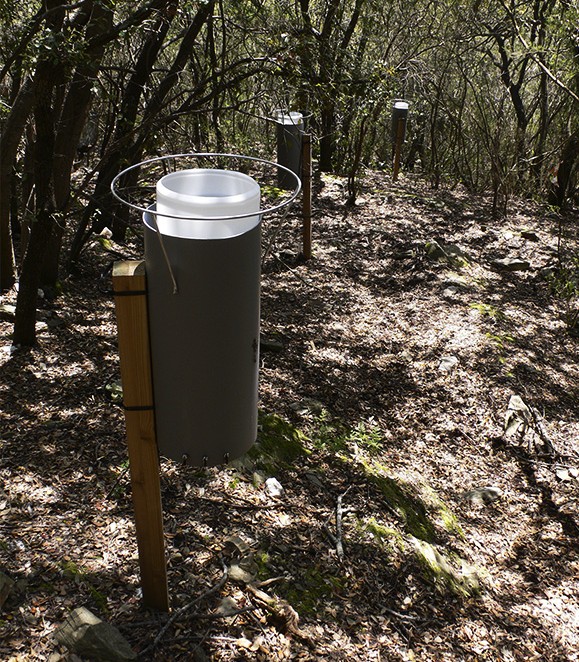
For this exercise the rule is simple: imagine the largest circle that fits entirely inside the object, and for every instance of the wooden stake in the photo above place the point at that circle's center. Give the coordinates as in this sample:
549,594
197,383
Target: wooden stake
129,285
398,147
307,195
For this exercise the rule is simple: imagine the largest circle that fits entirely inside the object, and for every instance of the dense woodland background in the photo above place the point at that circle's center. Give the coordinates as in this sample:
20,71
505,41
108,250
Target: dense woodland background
394,354
89,87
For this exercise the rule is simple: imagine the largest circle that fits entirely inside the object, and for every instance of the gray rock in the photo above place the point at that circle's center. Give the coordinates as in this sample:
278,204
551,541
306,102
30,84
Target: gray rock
510,264
450,253
270,345
6,585
85,634
236,546
456,254
308,406
273,487
258,479
227,607
530,235
240,574
435,251
447,363
450,292
482,495
7,312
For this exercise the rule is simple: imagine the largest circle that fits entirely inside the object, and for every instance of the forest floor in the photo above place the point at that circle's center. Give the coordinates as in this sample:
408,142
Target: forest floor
425,513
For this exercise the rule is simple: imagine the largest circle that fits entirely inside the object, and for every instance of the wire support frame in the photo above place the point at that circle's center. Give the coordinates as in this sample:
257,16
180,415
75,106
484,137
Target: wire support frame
205,155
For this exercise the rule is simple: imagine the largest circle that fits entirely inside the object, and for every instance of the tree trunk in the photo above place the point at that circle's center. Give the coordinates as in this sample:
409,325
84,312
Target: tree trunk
327,138
9,141
129,144
48,74
561,189
101,210
70,126
26,302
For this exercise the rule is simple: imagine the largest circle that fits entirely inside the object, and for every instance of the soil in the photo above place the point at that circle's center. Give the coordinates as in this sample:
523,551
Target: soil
388,371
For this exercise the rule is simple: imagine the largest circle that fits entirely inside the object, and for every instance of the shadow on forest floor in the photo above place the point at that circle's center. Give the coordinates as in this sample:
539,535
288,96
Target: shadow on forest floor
386,402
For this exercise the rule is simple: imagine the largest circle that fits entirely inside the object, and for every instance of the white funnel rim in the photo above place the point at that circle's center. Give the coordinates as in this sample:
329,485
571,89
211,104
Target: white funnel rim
200,155
247,189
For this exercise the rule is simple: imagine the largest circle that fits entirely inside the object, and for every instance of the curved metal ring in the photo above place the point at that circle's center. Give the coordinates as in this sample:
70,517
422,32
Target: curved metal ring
158,159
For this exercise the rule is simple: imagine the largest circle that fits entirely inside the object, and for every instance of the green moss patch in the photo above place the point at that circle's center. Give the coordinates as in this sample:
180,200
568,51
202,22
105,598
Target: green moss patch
278,443
445,571
445,515
401,498
388,537
313,588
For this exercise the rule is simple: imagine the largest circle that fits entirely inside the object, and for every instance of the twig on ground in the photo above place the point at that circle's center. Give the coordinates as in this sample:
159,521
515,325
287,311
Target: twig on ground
116,483
177,614
404,617
336,540
339,515
229,614
272,580
294,273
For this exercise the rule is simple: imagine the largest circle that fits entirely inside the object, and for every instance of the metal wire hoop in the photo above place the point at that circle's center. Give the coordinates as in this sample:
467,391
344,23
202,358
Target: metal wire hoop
199,155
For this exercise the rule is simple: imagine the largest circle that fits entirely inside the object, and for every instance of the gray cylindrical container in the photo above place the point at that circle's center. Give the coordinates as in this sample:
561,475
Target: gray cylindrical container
204,337
290,129
399,114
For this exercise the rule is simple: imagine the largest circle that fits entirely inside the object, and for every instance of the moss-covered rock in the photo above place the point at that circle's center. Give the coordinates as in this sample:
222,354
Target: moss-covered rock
444,514
388,537
401,497
447,572
279,443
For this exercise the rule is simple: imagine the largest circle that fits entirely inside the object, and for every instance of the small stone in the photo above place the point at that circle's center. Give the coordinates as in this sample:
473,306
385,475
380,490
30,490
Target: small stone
227,606
450,292
273,487
457,255
482,495
563,474
435,251
270,345
530,235
447,363
314,480
7,312
308,406
510,264
235,545
258,479
55,321
239,574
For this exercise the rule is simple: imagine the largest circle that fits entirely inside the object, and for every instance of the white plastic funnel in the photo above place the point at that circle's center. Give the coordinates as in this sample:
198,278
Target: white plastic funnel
188,202
292,118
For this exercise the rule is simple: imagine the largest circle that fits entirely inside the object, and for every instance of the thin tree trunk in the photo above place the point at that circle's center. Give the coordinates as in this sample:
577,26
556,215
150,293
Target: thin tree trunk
48,74
9,141
71,123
